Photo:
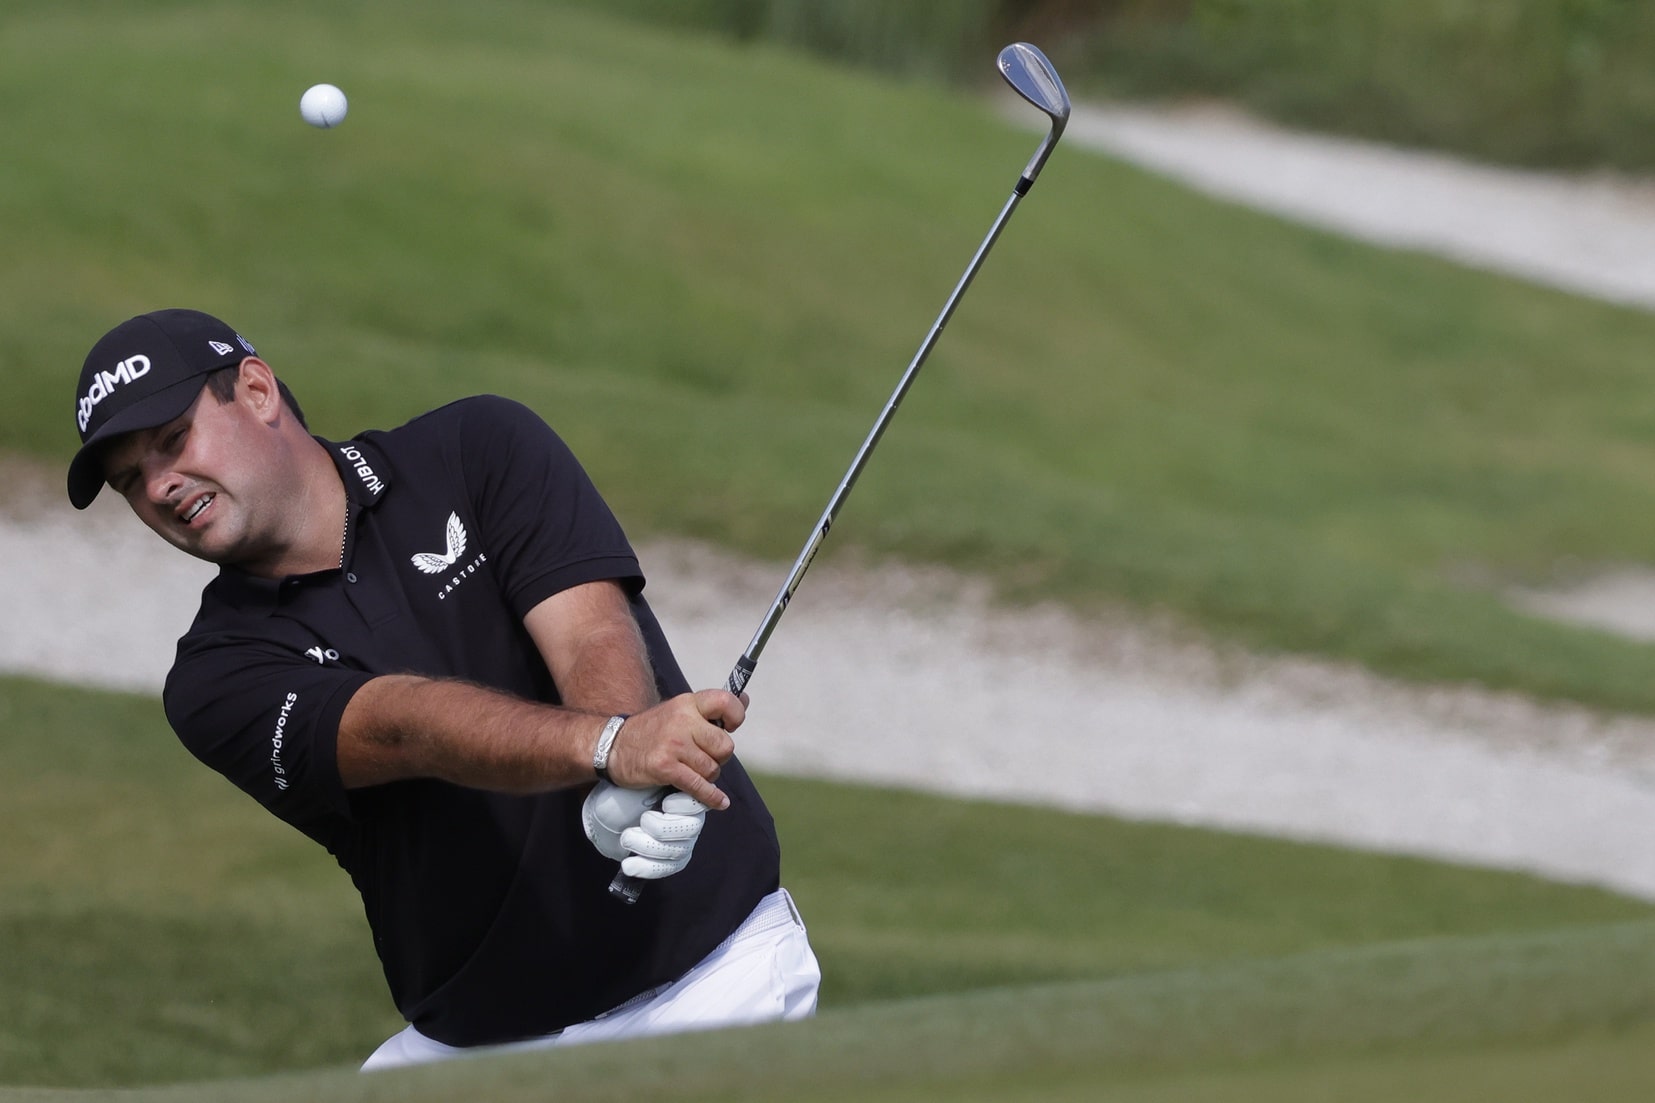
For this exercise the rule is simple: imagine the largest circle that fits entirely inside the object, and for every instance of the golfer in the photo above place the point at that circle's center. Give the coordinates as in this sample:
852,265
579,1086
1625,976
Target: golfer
428,649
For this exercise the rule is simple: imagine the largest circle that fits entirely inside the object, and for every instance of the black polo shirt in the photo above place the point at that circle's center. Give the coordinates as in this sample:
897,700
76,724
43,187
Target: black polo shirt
490,912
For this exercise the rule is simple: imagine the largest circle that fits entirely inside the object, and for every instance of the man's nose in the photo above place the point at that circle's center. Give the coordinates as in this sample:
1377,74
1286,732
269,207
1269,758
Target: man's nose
164,485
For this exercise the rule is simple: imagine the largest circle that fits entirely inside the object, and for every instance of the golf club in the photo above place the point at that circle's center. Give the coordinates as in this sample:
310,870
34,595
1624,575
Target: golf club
1031,75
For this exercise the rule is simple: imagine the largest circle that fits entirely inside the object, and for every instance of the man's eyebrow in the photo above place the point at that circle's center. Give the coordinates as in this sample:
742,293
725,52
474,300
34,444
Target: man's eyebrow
125,474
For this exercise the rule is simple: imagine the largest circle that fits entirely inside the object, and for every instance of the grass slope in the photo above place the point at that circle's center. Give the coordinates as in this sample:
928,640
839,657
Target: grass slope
1358,1019
707,264
158,926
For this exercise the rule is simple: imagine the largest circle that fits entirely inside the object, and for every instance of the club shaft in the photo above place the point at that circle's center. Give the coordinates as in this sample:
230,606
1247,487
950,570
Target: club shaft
629,889
743,670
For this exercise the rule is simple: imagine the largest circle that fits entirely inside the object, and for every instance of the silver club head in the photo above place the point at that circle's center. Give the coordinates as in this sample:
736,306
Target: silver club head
1028,71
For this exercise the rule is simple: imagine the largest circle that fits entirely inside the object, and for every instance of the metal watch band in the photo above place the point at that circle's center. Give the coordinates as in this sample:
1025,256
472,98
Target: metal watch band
606,740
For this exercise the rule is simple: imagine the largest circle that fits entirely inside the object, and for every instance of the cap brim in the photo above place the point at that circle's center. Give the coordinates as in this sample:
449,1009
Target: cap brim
86,469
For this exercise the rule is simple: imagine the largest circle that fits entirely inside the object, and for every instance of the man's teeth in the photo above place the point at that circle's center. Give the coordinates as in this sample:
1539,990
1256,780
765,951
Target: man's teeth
203,503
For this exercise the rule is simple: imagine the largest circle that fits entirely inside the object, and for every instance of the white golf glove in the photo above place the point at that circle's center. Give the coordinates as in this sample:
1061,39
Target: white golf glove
623,824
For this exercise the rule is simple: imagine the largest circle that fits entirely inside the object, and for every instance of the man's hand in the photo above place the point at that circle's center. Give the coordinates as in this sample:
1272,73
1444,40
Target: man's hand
663,841
623,824
683,742
610,811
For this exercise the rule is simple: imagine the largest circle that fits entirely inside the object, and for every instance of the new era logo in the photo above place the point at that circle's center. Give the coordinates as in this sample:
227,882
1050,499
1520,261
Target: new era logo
221,348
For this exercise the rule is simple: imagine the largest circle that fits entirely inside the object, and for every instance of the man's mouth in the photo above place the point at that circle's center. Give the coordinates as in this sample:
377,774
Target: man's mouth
201,503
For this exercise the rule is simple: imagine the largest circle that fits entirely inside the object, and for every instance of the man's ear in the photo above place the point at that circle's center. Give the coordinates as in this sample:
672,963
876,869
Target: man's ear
256,386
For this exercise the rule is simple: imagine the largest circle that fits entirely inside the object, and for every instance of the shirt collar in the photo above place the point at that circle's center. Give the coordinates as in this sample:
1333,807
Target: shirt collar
361,468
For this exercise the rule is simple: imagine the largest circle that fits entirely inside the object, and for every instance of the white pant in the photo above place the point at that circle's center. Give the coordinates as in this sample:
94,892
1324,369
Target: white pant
764,971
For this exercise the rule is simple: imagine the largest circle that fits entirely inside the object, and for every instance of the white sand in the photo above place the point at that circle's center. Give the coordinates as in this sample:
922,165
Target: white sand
1590,233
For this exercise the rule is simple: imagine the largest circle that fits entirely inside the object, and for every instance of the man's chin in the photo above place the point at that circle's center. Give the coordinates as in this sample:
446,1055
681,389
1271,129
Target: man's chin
201,546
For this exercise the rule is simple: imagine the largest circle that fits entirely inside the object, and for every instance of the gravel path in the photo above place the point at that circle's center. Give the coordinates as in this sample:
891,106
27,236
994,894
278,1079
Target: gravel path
915,678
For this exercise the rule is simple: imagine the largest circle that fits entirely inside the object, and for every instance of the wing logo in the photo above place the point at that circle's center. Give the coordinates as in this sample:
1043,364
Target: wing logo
434,563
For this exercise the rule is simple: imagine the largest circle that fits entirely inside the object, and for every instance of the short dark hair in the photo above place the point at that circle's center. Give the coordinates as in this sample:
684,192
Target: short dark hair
222,383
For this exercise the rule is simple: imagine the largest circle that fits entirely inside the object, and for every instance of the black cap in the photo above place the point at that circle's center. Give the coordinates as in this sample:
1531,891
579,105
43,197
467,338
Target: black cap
143,373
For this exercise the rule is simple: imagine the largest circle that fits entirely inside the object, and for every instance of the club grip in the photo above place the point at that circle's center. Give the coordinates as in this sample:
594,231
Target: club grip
741,674
626,889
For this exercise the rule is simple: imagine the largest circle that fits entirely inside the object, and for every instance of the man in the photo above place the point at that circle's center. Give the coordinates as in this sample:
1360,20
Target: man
422,648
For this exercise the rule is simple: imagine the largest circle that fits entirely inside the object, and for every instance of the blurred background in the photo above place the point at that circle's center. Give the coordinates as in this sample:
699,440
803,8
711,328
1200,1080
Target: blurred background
702,239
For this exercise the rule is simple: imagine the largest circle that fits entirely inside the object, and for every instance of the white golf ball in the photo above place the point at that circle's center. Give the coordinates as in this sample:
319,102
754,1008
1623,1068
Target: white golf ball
323,105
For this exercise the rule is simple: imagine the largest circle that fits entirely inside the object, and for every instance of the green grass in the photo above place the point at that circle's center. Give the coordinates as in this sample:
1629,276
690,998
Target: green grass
707,265
158,926
153,922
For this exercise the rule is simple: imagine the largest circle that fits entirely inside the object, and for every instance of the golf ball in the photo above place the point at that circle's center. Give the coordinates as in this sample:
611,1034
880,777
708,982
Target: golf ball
323,105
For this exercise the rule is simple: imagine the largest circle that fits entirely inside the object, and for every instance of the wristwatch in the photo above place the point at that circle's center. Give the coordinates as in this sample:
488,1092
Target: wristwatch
606,740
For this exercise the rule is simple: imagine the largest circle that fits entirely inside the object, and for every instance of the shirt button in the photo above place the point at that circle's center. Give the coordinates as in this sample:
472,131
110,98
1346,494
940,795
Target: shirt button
350,578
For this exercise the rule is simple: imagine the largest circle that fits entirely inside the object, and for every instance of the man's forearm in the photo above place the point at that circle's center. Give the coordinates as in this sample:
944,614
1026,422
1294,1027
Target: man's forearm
403,726
400,726
610,673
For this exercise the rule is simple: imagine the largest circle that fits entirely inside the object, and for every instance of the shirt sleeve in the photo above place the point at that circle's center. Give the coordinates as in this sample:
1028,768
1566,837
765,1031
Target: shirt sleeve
269,723
548,527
